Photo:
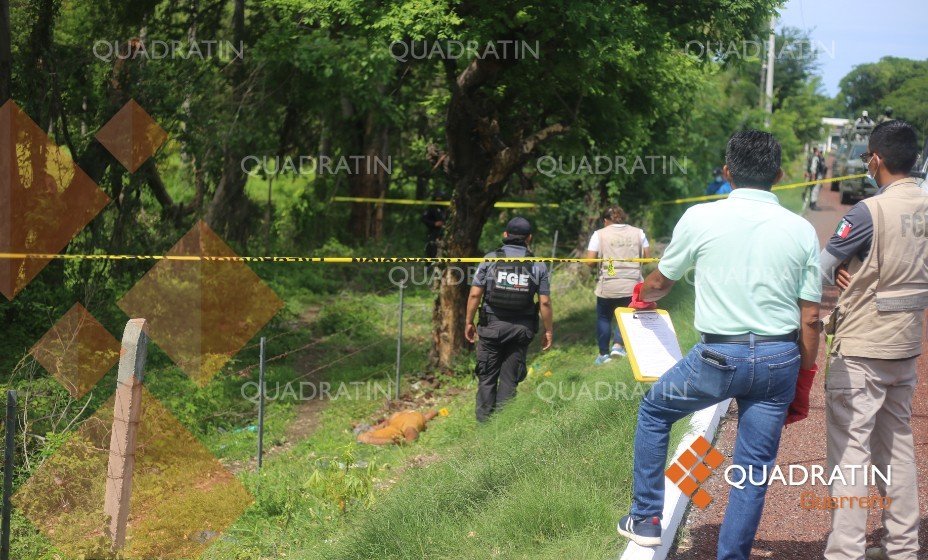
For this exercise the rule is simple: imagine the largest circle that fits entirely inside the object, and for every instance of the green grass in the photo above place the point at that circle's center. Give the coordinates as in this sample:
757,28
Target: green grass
547,478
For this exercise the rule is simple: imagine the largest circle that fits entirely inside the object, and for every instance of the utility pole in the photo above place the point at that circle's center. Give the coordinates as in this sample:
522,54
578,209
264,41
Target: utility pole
768,81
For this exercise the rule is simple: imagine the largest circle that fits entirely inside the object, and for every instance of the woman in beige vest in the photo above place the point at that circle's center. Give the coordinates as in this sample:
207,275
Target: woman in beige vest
616,240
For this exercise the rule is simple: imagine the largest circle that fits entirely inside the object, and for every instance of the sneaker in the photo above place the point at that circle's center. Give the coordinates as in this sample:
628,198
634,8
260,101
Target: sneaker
646,532
604,359
877,553
618,351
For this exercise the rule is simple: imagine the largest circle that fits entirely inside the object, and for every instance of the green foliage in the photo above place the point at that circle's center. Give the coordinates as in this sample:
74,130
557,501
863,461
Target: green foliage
910,101
345,314
317,78
867,85
342,481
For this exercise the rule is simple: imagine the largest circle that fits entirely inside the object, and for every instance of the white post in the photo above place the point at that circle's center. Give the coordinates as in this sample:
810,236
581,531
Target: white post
127,411
771,58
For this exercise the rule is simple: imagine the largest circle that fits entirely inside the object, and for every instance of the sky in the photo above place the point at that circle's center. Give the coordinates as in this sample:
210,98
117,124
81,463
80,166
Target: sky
851,32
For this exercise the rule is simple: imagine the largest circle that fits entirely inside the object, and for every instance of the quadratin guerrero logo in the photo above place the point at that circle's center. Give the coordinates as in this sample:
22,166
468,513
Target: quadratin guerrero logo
693,467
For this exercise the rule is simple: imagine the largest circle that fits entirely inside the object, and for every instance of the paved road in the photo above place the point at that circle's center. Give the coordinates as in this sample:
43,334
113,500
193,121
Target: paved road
788,532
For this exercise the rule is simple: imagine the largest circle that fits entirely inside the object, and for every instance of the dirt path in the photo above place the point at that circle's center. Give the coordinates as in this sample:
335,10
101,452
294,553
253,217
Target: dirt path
788,532
308,412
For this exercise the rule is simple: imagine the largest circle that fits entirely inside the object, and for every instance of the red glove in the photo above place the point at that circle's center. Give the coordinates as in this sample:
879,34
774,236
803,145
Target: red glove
799,409
636,299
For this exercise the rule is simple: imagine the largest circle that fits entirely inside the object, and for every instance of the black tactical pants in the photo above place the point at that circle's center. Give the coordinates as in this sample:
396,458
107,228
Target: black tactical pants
501,365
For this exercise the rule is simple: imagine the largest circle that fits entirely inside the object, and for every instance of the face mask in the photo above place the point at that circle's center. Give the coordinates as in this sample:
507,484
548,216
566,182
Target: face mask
870,179
718,178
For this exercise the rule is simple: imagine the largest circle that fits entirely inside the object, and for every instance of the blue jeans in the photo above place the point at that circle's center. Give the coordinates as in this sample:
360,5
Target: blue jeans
605,313
762,378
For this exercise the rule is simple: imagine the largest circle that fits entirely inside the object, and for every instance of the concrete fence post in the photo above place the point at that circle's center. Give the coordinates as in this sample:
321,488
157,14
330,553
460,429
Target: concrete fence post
127,411
8,456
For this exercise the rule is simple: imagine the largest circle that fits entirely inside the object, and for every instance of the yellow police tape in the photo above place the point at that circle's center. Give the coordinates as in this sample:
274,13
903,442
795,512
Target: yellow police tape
413,202
776,188
327,260
393,260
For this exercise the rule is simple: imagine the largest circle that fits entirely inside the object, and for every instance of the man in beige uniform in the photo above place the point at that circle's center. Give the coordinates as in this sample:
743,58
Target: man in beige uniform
617,240
877,323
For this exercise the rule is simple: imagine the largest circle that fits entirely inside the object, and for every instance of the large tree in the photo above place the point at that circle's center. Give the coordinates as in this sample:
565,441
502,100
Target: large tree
866,86
502,110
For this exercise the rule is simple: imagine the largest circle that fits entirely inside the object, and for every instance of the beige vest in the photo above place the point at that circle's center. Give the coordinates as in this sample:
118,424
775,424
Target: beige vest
619,243
881,313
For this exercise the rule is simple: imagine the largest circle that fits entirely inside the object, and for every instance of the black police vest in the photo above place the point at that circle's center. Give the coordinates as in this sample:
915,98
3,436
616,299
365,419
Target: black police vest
511,286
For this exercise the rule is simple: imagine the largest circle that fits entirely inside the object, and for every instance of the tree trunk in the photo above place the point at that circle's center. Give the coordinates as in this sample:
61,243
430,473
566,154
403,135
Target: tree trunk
230,211
466,219
368,178
35,96
593,200
480,163
6,57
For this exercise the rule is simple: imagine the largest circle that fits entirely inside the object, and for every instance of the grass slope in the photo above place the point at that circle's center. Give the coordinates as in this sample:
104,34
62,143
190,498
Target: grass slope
547,478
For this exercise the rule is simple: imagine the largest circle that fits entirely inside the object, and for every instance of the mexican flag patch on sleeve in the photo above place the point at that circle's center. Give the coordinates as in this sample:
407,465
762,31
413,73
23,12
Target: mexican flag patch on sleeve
844,229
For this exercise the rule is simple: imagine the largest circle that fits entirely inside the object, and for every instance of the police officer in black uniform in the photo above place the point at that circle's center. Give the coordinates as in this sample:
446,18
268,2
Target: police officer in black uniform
434,219
509,317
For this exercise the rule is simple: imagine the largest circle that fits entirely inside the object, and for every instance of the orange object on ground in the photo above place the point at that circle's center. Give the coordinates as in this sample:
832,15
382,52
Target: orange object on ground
400,427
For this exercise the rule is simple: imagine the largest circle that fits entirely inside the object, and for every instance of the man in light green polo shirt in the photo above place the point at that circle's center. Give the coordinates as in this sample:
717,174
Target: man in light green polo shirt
755,259
758,287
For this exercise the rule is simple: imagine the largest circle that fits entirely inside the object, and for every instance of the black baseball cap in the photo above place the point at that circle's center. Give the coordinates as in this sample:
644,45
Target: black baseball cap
519,226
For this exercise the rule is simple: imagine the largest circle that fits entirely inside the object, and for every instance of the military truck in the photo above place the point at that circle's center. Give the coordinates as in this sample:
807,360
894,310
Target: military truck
848,162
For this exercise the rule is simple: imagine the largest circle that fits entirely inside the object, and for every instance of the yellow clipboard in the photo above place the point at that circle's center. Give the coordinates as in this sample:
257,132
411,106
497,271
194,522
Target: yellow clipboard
650,340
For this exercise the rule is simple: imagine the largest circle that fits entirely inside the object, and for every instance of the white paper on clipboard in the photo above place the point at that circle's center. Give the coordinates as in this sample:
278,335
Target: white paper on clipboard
650,340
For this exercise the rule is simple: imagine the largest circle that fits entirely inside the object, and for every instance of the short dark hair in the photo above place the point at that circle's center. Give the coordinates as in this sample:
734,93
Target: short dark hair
753,159
897,144
615,214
